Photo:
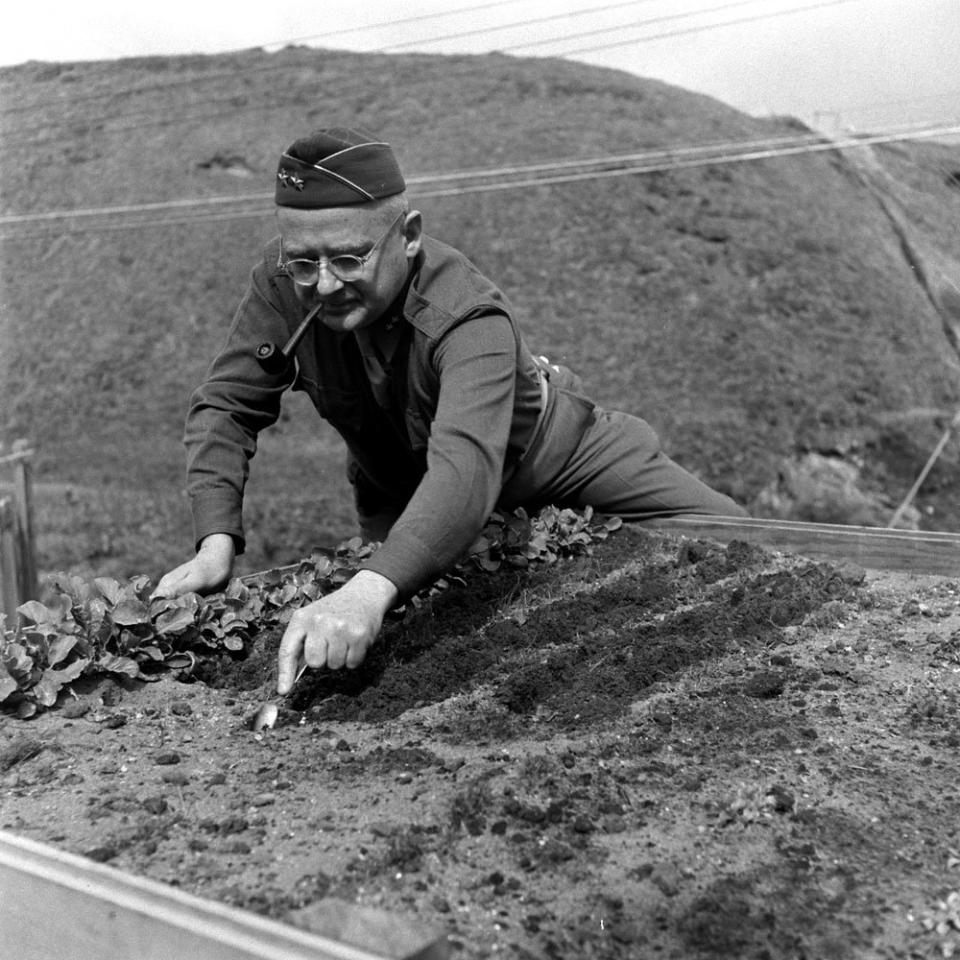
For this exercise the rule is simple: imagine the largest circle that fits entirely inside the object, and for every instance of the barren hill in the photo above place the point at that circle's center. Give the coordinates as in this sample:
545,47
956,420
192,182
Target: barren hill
778,320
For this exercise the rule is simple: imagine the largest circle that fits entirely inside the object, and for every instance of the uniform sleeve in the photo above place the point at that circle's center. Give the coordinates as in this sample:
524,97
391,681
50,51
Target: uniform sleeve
477,367
236,401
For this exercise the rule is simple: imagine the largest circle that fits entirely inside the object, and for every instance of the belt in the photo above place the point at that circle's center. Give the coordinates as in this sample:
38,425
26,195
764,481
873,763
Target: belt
543,379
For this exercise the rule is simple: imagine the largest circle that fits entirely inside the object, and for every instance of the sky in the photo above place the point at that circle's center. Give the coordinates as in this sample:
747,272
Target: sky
858,65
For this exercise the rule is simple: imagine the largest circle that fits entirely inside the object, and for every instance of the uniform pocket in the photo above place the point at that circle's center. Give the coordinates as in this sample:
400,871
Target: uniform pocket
344,409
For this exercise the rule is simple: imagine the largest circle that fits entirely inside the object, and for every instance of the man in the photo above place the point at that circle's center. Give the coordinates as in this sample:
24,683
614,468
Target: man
416,359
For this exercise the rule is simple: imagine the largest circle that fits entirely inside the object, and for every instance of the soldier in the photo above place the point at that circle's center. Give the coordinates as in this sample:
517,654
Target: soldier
417,360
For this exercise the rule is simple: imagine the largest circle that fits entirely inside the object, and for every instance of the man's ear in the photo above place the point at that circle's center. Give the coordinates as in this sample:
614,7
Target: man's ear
413,233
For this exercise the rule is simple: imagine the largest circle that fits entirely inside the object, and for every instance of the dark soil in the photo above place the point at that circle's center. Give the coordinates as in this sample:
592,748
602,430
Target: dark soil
670,748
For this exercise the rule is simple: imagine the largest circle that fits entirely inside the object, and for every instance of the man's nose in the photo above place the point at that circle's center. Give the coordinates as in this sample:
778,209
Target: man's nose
328,282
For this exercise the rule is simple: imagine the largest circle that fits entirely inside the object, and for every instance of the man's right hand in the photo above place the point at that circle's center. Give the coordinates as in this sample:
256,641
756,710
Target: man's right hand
209,570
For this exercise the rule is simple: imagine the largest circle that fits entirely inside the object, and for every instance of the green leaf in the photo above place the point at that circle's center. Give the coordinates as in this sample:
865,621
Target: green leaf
236,590
71,585
53,681
110,589
310,591
130,611
70,673
18,661
7,684
175,621
38,613
59,648
113,664
480,545
26,710
46,691
180,661
142,586
322,565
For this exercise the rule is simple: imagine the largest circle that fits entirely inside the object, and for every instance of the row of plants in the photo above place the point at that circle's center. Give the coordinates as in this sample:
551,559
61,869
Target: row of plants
110,626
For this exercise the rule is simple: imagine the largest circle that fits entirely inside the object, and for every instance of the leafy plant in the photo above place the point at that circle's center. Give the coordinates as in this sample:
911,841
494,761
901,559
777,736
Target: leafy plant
108,626
517,540
944,922
756,803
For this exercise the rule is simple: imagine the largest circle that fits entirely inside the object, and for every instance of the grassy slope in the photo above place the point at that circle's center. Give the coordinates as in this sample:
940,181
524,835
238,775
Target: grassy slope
748,311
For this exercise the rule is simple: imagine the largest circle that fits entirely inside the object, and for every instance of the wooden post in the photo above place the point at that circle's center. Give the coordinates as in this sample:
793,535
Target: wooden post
23,492
9,591
18,564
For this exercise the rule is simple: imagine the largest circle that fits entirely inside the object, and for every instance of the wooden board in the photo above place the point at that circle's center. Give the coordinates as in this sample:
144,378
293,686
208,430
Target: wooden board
56,905
875,548
9,588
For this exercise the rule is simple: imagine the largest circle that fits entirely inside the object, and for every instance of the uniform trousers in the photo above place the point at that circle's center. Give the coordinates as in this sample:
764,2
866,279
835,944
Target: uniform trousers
583,455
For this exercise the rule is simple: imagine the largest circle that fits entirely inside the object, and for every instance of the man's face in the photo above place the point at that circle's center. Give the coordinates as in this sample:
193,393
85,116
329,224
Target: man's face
315,234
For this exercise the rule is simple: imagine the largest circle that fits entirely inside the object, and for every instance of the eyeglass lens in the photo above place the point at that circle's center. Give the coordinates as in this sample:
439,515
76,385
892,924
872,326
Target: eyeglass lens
344,267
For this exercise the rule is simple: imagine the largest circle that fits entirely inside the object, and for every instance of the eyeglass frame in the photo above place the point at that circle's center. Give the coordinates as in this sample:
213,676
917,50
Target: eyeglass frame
328,262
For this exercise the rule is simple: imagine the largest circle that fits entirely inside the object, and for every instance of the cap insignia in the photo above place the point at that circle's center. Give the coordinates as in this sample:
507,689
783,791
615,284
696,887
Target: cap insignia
288,179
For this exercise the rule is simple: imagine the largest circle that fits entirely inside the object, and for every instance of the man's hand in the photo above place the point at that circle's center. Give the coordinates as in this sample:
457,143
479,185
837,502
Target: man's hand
337,630
209,570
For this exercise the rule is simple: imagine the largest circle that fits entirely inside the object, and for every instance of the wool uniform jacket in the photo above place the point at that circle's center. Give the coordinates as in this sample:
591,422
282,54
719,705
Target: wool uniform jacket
431,444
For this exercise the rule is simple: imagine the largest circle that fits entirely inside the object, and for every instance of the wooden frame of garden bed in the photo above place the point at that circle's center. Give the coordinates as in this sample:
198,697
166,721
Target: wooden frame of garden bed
875,548
58,905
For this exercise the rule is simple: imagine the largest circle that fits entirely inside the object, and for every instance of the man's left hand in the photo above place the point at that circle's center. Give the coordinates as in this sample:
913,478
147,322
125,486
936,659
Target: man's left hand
337,630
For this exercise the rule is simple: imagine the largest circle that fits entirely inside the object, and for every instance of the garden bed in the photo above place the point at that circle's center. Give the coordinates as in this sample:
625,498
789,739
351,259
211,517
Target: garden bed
664,748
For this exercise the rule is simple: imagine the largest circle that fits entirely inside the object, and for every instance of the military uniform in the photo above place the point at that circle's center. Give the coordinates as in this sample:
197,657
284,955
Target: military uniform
445,412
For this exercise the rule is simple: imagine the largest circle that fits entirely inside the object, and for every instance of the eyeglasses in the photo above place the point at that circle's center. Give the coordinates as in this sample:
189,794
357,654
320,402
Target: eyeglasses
345,267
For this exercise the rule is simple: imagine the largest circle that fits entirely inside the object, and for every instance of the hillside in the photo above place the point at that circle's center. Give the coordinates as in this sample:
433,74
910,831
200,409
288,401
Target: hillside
756,313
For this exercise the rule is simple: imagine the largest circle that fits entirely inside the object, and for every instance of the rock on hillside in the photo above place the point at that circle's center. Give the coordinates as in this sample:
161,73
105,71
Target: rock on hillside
755,312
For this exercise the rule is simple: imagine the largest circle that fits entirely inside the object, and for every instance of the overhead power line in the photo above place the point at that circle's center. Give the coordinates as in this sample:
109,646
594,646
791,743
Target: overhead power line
483,31
263,68
770,15
573,171
401,21
458,175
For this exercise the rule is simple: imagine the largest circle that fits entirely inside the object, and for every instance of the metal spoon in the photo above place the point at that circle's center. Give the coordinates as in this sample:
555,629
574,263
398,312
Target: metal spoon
267,715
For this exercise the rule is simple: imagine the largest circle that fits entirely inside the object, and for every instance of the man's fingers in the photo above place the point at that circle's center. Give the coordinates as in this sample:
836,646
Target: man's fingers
170,584
337,653
333,632
355,656
289,657
315,652
194,576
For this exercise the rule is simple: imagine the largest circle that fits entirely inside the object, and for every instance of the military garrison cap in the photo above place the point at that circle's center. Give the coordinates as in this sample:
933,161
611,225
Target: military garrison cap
336,167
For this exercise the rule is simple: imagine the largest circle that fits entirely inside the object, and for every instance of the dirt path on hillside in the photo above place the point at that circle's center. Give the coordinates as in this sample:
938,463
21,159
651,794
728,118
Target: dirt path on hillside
668,749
